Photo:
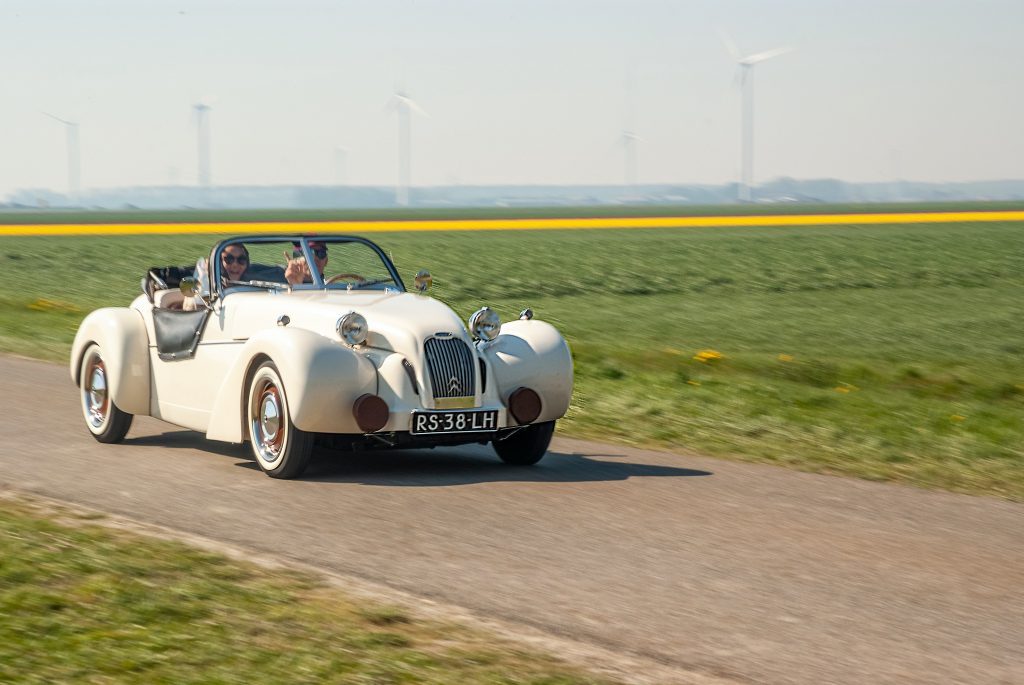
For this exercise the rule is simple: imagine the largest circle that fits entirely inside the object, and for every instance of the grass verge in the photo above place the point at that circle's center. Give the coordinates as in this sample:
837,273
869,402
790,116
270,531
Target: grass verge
87,604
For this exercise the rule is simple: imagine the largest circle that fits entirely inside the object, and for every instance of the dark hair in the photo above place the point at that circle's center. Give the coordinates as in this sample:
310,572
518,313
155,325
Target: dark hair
241,245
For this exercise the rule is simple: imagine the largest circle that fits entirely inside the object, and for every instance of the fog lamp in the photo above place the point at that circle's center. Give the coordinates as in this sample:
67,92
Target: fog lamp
524,404
371,413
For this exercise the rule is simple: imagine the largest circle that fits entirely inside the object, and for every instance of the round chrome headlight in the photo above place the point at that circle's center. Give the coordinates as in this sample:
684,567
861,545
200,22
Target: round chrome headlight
352,328
485,324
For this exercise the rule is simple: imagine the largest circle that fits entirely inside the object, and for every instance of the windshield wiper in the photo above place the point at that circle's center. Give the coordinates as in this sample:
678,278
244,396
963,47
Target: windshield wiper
271,285
375,281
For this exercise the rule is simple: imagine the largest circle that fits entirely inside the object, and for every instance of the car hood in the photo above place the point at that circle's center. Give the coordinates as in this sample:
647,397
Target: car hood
398,322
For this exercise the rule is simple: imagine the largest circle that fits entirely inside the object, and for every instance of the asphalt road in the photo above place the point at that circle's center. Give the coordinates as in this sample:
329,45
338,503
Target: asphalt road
731,572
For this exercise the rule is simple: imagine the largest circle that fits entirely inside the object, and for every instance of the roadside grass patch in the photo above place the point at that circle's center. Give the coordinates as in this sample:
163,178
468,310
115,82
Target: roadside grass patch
85,604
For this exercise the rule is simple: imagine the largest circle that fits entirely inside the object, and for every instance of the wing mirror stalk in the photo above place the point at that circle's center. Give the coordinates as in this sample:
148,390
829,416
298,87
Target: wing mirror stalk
191,287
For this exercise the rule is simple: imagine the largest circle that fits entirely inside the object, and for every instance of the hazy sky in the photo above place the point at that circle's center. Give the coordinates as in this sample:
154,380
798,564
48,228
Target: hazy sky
521,91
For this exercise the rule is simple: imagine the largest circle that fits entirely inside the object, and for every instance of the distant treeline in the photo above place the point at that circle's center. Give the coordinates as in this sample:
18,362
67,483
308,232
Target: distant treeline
779,191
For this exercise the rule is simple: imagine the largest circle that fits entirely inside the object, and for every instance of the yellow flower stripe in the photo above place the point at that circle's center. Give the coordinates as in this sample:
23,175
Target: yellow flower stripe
506,224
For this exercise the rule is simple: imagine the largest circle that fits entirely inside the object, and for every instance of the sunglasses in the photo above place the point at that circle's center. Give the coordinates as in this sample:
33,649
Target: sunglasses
318,252
231,259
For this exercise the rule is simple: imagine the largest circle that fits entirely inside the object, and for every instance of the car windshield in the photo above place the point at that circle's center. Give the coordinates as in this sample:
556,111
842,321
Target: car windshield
353,264
345,263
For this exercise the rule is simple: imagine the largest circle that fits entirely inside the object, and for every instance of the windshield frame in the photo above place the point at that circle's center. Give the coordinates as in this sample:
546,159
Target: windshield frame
304,239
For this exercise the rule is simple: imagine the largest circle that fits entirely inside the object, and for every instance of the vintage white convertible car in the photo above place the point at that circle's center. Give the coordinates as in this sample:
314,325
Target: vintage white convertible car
265,349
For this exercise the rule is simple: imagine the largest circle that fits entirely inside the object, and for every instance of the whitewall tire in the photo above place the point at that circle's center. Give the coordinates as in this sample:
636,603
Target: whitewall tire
280,449
103,418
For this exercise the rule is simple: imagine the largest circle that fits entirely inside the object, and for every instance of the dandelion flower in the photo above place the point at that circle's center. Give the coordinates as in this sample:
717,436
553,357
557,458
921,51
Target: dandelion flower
706,356
785,357
43,305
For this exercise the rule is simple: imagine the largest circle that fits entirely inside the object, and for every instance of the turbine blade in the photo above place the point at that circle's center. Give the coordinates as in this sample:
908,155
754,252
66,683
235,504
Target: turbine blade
56,118
411,104
767,54
729,45
402,100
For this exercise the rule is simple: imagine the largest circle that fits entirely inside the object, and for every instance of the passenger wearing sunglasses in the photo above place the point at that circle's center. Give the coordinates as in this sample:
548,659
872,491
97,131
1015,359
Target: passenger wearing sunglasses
297,271
234,262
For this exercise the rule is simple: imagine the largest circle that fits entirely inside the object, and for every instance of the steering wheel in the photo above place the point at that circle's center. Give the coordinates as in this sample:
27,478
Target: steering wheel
344,277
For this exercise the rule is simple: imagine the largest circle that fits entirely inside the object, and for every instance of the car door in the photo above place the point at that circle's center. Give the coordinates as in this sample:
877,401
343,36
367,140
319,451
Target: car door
190,369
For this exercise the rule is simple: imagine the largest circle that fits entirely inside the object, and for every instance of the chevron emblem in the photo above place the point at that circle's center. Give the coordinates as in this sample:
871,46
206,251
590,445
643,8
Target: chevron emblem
454,386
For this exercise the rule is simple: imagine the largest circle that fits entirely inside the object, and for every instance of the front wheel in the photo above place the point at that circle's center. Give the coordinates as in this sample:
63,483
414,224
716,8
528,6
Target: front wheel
281,449
526,446
103,418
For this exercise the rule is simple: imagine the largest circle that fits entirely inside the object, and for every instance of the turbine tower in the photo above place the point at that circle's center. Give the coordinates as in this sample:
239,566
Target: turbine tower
746,82
341,165
629,137
629,141
74,162
202,112
405,106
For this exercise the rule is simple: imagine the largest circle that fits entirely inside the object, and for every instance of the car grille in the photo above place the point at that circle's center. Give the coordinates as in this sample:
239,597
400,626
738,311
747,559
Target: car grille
450,362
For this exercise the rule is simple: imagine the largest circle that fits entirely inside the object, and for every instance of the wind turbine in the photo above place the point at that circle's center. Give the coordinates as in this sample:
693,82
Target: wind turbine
746,81
405,106
629,137
341,165
74,163
629,143
202,115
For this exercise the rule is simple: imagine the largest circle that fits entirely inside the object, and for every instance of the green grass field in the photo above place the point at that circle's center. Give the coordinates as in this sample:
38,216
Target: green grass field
85,604
884,352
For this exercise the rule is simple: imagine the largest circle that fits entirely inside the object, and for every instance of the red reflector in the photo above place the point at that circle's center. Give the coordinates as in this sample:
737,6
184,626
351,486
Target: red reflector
524,405
371,413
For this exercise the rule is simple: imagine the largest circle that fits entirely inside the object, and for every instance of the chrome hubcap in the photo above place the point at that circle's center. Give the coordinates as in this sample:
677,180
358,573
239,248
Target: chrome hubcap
96,398
270,417
268,428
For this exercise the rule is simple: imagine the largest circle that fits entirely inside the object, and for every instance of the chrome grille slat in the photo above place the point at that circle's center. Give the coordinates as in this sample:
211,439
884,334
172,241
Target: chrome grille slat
449,358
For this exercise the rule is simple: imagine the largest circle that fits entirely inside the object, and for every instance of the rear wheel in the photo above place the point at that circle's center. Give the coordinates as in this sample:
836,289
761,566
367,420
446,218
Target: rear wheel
280,449
526,446
103,418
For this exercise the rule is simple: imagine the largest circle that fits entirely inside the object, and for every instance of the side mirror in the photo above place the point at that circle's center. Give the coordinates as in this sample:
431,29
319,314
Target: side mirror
190,286
423,280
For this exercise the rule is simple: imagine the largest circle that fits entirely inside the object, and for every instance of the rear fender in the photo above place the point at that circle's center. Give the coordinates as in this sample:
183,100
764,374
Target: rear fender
121,335
322,379
533,354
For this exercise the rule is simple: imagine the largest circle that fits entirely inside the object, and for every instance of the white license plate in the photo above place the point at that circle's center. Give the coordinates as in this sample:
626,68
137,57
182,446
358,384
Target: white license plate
474,421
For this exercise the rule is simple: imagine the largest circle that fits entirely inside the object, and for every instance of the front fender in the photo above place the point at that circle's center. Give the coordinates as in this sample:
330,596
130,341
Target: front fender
322,379
532,354
124,344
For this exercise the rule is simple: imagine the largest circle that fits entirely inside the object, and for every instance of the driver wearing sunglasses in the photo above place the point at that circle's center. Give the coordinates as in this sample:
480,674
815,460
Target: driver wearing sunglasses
297,271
